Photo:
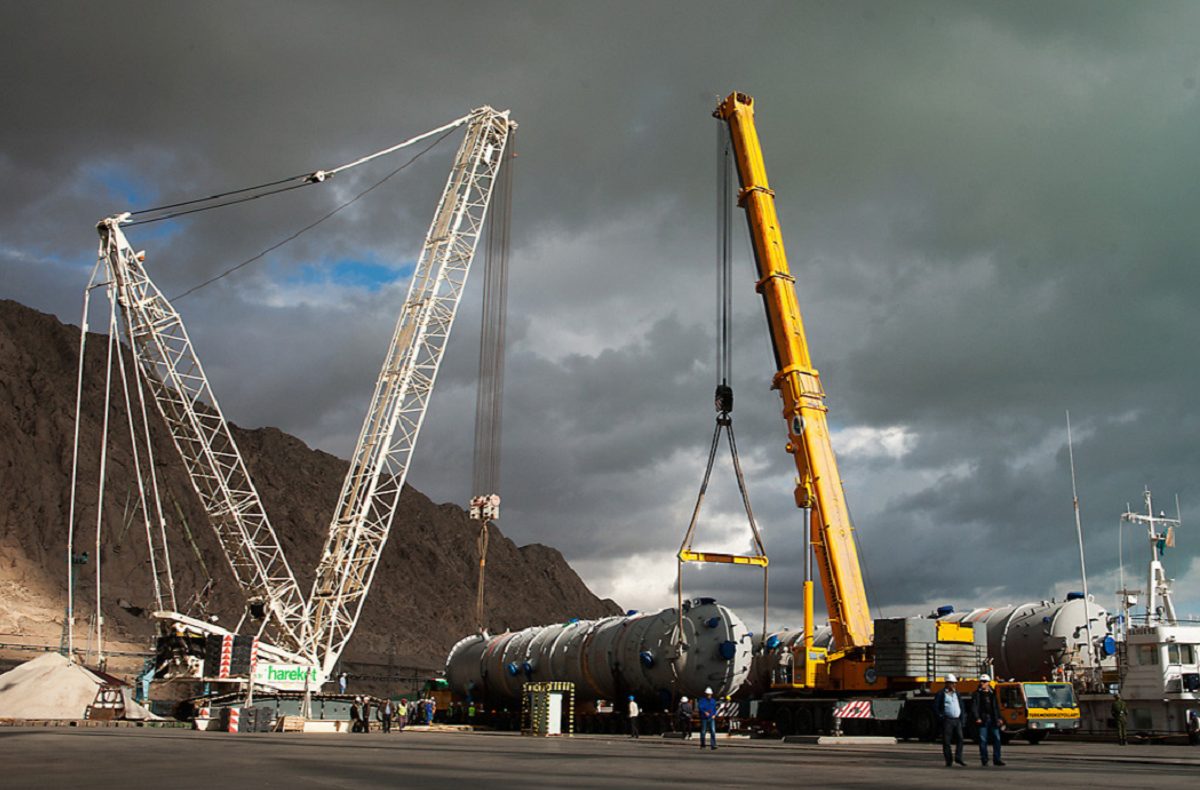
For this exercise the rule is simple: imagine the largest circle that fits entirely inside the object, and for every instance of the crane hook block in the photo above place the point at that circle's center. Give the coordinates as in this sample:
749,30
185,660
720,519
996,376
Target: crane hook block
724,398
485,508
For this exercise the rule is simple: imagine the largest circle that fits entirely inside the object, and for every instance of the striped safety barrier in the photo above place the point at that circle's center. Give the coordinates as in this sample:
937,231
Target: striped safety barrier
855,709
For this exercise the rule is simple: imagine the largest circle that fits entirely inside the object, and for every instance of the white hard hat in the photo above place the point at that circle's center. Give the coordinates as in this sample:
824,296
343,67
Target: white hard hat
708,690
986,678
684,699
951,679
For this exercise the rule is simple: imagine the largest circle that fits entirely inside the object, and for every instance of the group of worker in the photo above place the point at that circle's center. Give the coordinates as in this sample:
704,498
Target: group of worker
707,708
953,712
952,709
388,712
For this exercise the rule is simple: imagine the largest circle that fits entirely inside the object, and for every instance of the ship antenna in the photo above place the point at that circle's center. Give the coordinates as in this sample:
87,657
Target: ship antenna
1082,564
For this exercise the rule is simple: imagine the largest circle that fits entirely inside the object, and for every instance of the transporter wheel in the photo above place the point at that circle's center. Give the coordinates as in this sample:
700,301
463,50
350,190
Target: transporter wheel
784,721
924,724
805,723
1035,736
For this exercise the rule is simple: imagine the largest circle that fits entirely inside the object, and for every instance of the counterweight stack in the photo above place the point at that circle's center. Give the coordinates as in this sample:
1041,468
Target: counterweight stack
637,655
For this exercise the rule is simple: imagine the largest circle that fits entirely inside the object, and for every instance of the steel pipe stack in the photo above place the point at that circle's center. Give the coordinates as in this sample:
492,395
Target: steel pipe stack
638,654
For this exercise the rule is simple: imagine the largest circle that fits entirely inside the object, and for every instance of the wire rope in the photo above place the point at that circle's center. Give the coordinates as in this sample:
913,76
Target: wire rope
312,225
211,197
724,254
215,205
485,473
303,179
70,617
139,476
724,391
112,334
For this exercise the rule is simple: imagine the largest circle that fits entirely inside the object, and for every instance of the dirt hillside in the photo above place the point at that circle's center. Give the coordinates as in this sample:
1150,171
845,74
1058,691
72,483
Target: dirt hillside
423,597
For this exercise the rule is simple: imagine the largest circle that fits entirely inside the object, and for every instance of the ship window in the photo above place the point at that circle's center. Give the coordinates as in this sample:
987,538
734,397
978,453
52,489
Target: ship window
1148,655
1181,654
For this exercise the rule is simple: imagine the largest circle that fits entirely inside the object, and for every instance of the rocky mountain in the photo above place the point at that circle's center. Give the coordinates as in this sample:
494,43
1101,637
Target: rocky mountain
423,597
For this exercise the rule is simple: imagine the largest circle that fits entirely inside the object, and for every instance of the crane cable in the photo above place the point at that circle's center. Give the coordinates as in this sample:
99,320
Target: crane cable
485,474
294,182
724,391
312,225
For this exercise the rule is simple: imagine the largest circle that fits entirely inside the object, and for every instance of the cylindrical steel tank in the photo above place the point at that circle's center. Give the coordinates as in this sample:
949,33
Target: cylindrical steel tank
1030,640
638,654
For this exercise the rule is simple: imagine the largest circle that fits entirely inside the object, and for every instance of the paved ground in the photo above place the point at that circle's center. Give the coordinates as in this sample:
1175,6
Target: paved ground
39,758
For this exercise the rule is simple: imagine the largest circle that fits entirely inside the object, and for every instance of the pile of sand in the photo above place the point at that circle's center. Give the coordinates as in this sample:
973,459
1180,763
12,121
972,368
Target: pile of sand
50,687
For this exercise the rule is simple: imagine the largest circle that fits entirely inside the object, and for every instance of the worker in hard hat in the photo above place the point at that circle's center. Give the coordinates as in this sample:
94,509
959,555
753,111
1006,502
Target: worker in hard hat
708,717
633,716
987,719
951,710
684,713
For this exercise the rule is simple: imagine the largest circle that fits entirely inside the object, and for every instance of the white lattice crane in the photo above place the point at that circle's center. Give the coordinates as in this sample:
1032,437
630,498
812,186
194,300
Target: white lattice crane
314,630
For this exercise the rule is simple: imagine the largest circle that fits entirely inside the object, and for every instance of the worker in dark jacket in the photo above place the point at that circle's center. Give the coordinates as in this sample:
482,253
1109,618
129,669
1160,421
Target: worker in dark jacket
685,714
987,719
951,710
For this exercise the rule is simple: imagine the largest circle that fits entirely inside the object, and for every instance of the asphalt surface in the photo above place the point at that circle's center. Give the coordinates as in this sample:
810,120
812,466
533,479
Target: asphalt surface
130,759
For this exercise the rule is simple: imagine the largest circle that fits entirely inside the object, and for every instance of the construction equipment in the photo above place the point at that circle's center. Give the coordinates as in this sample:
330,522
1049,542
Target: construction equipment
820,677
310,632
855,667
819,487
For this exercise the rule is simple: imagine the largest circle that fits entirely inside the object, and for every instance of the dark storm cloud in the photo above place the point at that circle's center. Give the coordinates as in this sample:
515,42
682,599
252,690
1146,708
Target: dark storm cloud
989,209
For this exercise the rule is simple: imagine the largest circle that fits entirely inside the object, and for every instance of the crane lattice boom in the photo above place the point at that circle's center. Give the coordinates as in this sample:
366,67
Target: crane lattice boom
169,366
368,501
314,630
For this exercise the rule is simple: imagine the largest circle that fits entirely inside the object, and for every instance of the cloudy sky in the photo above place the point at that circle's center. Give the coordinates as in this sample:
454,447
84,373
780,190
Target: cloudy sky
990,209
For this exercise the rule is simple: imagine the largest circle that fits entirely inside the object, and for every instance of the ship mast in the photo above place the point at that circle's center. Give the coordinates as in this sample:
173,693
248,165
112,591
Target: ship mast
1161,531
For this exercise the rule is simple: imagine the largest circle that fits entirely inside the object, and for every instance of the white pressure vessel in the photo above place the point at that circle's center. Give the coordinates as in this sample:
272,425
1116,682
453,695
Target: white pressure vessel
1029,641
637,654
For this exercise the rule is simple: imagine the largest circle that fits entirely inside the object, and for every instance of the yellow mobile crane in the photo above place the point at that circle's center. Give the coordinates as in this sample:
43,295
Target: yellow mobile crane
881,669
910,656
818,485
